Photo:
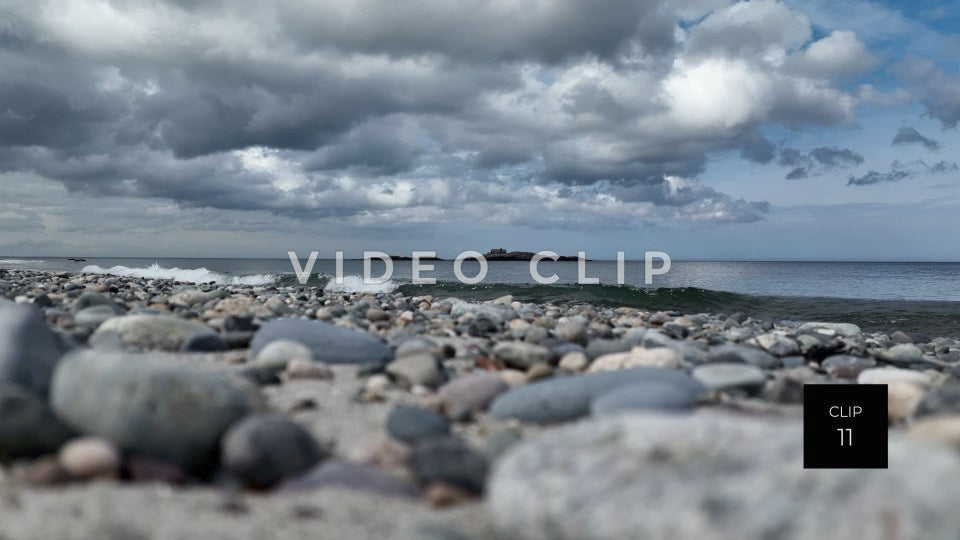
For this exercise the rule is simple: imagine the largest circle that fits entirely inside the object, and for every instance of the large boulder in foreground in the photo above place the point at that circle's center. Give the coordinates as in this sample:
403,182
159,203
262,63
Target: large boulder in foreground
328,343
149,407
714,476
29,350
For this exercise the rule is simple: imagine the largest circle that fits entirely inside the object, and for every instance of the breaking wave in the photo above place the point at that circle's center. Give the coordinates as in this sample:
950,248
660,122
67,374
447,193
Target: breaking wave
186,275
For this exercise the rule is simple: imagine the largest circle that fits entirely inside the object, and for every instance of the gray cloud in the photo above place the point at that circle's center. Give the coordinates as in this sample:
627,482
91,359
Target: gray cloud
900,171
938,91
818,161
909,135
372,111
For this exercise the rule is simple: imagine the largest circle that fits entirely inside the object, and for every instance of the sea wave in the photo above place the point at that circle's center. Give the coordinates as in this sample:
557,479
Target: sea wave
187,275
356,284
19,261
936,318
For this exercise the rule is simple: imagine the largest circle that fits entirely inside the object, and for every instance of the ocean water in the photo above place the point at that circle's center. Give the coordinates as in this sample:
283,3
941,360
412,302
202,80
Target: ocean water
914,297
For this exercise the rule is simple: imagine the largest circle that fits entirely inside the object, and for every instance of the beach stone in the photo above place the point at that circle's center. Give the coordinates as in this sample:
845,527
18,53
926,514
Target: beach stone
599,347
277,354
146,332
328,343
90,457
496,313
778,345
265,449
902,400
416,369
189,298
92,298
887,375
568,398
901,337
339,473
661,357
817,345
712,477
412,425
299,368
902,354
846,366
742,354
204,342
842,329
28,428
472,393
451,461
725,376
520,355
574,361
648,396
94,315
572,330
940,400
150,407
944,430
29,350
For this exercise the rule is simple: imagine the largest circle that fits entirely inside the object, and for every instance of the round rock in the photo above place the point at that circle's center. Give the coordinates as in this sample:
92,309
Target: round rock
569,398
89,457
149,407
648,396
265,449
328,343
146,332
411,424
730,376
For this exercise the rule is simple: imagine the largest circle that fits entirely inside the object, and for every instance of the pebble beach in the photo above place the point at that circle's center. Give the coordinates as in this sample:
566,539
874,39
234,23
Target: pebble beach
149,408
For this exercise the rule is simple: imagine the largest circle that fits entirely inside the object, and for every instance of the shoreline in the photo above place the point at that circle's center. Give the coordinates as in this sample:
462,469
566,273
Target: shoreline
429,413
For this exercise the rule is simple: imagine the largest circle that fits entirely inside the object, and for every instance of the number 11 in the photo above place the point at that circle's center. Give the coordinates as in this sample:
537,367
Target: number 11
848,440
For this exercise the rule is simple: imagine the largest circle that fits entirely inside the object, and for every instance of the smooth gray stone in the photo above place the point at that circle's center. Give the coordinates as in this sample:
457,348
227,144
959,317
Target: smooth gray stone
648,395
262,450
93,298
903,354
28,428
141,332
713,477
150,407
94,315
329,343
600,347
722,376
411,425
744,355
568,398
29,350
451,461
842,329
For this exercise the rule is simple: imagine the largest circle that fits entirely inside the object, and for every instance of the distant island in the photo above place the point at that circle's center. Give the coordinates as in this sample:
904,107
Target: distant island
496,254
500,254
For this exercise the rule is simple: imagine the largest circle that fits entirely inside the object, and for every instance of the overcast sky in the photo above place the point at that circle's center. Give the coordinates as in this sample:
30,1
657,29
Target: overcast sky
806,129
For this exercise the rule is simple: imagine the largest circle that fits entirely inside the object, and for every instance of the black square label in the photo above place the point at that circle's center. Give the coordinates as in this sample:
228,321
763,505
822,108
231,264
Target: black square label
845,426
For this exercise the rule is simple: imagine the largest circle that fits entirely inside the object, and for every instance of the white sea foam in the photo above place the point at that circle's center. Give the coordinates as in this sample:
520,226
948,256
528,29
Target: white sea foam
189,275
355,284
19,261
